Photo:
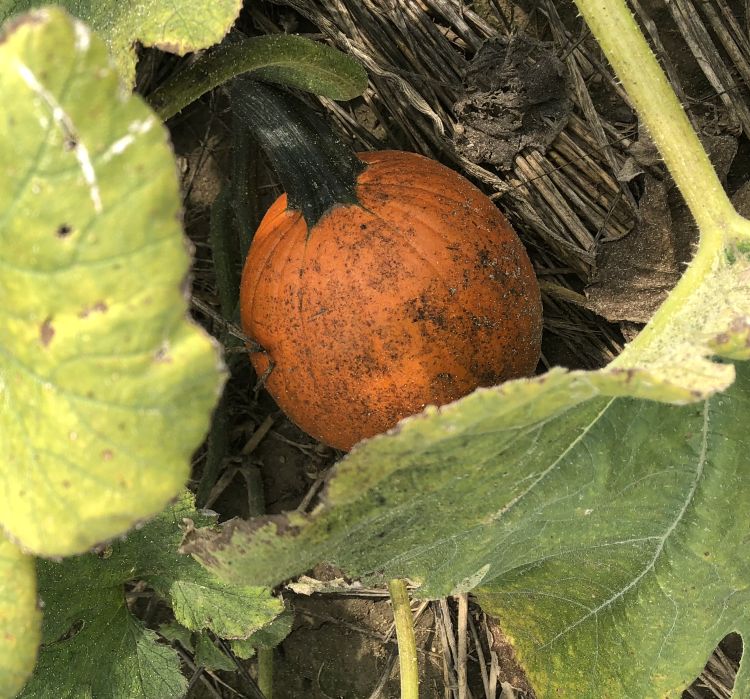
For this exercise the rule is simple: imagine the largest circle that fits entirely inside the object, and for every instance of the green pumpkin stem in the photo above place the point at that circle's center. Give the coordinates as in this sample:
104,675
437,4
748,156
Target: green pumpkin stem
317,169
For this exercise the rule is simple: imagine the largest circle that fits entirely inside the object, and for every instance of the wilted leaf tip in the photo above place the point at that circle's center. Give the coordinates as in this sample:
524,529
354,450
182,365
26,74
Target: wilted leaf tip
31,18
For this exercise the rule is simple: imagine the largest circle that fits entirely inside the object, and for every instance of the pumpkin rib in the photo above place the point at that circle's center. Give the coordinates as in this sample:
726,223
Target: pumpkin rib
311,370
280,235
265,267
391,172
279,282
490,233
431,196
400,189
424,224
466,360
428,226
270,219
423,256
287,235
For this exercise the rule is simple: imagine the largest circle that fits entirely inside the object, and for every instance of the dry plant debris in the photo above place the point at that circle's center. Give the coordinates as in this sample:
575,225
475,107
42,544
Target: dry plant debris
516,97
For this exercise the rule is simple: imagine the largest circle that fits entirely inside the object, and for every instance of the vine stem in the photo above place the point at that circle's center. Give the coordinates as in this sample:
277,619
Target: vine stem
265,671
614,27
407,644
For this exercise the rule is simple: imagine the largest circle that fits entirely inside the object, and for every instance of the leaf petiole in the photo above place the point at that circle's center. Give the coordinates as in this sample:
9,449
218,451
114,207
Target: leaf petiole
614,27
407,644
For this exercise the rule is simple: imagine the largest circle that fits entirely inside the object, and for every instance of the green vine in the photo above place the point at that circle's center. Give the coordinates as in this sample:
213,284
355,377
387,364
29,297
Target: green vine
614,27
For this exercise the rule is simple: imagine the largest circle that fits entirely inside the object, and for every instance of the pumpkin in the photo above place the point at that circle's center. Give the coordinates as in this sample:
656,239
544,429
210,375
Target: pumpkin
402,285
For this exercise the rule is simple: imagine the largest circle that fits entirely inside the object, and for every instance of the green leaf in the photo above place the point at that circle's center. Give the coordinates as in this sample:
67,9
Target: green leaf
244,650
610,530
205,652
427,501
209,656
106,386
629,580
93,646
105,653
195,25
20,618
173,631
269,636
282,58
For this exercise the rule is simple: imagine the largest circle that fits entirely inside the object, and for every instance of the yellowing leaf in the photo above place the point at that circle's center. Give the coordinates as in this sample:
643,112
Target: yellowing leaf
188,25
106,386
20,619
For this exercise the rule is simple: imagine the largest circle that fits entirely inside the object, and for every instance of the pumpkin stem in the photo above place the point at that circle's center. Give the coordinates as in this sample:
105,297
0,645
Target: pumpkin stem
317,169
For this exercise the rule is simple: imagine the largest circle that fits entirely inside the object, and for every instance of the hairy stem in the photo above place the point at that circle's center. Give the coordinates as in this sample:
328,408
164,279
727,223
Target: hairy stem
407,644
265,671
615,29
317,169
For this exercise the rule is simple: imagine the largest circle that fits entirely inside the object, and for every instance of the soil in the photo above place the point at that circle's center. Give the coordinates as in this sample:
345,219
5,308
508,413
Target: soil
337,650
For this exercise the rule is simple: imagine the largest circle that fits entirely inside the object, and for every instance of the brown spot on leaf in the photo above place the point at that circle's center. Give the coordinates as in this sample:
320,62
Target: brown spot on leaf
37,17
98,307
162,355
510,668
722,339
203,543
63,230
46,332
107,455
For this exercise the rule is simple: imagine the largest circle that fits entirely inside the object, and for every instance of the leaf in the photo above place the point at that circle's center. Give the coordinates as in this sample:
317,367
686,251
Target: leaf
642,569
434,500
173,631
93,646
281,58
269,636
205,652
209,656
20,619
195,25
594,538
407,504
109,654
106,386
398,503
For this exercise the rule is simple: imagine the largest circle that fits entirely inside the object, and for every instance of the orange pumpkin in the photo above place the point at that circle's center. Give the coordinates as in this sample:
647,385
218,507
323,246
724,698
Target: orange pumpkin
414,291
